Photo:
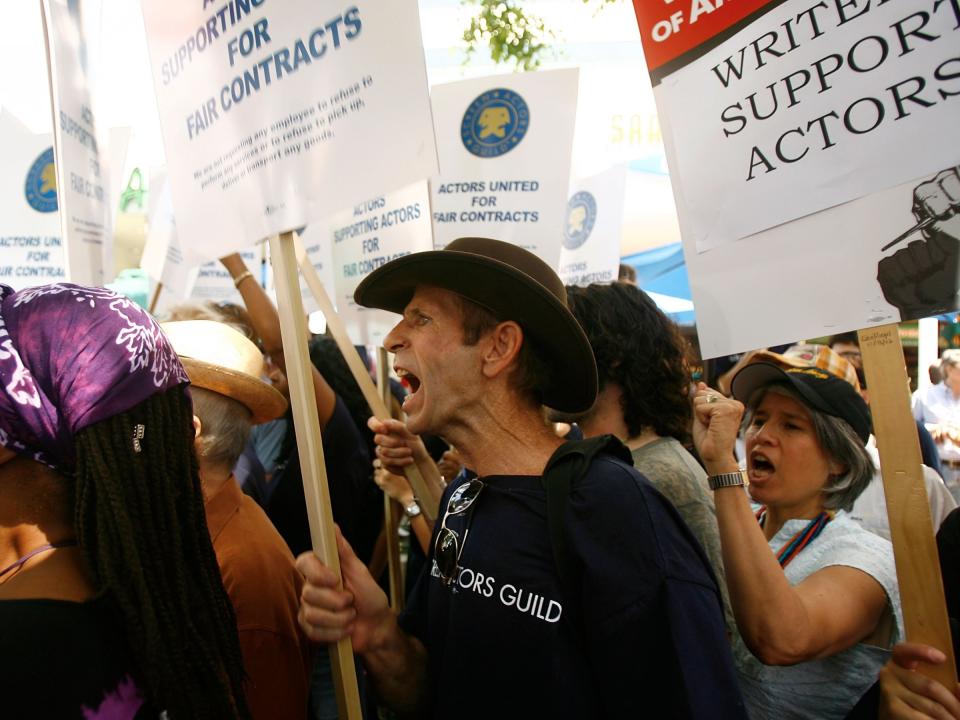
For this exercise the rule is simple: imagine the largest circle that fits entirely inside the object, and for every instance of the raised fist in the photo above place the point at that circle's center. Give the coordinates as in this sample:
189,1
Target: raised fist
921,279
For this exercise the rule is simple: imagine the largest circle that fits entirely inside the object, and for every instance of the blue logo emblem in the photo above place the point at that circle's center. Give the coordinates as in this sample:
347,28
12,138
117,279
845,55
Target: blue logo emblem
41,185
495,123
581,217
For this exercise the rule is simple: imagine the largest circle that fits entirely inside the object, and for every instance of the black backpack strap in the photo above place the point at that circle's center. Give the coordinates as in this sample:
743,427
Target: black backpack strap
570,462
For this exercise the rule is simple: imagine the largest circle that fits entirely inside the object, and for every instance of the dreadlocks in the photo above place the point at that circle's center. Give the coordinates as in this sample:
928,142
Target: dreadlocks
140,522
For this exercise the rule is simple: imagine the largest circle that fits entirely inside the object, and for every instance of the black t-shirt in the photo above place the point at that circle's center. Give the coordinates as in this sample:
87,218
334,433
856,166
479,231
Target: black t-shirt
355,500
63,659
643,638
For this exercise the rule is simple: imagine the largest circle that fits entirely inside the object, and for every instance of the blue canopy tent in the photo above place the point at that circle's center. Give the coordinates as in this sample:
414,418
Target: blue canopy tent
662,273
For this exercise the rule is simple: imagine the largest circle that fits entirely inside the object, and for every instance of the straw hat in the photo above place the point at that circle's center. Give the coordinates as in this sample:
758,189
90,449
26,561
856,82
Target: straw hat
218,358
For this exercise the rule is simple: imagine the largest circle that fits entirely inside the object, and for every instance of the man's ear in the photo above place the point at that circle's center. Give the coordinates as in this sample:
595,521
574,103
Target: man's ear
502,347
197,428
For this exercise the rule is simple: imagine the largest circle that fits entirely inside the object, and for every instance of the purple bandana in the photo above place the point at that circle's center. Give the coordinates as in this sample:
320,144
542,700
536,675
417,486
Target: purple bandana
71,356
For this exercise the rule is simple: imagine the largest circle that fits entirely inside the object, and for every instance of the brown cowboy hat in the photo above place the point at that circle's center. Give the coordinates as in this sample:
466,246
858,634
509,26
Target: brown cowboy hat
218,358
513,284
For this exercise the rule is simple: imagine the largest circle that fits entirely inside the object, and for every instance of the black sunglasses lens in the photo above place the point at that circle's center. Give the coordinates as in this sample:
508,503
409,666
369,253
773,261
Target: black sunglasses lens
463,496
446,554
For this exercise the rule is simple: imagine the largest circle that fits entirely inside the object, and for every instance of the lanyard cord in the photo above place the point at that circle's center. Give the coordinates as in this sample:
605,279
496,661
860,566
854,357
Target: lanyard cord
801,539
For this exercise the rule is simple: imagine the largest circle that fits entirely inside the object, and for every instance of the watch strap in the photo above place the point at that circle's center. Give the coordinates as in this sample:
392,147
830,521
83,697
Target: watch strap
412,509
731,479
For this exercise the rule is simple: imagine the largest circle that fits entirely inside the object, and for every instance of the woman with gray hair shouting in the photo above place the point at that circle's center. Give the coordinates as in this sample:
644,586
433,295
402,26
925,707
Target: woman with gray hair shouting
814,595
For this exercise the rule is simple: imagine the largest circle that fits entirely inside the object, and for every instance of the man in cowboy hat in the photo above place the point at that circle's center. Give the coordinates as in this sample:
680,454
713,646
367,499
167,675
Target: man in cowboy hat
257,568
635,624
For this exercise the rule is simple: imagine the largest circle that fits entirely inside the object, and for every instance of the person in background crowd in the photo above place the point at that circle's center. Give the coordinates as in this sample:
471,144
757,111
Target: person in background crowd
870,509
111,602
644,400
815,595
938,408
355,502
627,274
847,346
224,368
492,630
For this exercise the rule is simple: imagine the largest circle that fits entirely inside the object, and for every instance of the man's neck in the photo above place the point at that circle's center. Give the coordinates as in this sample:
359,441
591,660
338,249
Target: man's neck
212,478
509,439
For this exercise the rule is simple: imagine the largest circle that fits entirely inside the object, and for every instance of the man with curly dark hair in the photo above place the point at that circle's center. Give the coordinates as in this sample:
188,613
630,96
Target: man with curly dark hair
644,400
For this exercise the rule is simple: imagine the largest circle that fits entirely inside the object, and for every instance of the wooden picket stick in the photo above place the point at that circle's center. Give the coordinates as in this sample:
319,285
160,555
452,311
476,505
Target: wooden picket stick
429,501
293,331
156,296
390,506
911,529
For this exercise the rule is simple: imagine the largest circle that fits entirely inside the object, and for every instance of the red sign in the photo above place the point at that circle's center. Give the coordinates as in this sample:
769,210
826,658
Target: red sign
672,28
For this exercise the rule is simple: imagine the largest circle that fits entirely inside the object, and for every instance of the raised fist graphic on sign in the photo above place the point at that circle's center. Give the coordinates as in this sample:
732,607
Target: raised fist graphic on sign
921,279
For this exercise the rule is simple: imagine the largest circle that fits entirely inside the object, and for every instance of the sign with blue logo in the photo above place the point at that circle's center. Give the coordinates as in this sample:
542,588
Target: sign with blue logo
285,112
505,145
31,249
41,184
592,229
581,217
366,236
494,123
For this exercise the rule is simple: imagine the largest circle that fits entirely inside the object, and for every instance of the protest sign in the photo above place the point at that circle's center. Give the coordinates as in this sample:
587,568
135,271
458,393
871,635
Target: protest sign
367,236
762,186
164,262
31,251
591,233
82,167
273,113
504,145
317,244
797,95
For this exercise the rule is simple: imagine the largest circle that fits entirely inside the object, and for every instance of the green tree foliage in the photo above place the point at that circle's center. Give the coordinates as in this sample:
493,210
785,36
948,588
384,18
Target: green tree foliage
512,35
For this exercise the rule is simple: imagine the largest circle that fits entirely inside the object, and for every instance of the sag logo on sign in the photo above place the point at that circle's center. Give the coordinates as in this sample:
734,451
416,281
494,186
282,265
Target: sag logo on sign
41,185
581,216
495,123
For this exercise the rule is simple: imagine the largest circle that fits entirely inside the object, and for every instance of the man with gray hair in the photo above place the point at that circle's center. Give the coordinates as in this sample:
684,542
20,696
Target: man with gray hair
938,408
623,620
256,565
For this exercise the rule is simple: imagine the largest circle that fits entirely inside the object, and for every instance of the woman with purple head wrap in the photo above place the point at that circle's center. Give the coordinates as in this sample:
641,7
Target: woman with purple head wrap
111,602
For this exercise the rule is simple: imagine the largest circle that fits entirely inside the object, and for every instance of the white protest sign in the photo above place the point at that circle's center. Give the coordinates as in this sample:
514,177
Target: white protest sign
504,144
214,284
367,236
591,233
805,107
162,259
846,234
31,251
819,275
273,113
82,167
317,243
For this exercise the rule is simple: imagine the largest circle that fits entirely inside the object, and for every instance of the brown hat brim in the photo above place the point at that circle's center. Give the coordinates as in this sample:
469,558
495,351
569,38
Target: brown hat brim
510,295
264,401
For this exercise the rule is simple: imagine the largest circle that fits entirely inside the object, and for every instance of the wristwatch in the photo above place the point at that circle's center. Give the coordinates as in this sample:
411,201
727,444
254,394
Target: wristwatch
412,509
731,479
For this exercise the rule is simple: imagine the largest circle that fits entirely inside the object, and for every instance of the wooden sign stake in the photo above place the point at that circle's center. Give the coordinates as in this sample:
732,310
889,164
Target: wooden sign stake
293,330
911,529
155,297
429,501
390,506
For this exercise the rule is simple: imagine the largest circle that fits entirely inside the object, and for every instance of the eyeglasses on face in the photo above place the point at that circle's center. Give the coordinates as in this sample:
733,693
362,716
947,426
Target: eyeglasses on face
448,547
